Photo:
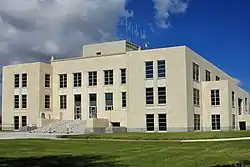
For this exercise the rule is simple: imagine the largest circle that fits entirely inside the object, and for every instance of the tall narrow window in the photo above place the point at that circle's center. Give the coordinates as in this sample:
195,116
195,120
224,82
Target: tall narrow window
217,78
108,101
47,80
161,95
123,76
24,80
63,102
24,101
24,121
93,105
197,122
77,79
240,106
196,72
92,78
108,77
16,101
149,69
233,121
233,99
16,122
149,95
47,101
215,97
150,122
124,99
16,80
196,97
246,104
162,120
216,122
161,67
63,80
208,75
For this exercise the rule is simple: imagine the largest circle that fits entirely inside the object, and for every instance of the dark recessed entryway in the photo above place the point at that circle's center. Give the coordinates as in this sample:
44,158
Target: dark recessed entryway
242,125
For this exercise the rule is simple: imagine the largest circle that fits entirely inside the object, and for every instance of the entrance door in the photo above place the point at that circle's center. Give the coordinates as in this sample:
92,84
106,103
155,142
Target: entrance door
77,113
242,125
92,112
16,122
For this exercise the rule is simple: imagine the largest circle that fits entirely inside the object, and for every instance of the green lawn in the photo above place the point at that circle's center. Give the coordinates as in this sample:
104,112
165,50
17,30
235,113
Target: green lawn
164,136
43,153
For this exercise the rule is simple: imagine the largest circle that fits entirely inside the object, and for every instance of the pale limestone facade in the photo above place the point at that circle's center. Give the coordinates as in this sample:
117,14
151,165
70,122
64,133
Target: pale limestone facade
180,110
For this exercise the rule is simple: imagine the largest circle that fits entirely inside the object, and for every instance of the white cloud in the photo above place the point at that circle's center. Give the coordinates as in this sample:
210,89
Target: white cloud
164,8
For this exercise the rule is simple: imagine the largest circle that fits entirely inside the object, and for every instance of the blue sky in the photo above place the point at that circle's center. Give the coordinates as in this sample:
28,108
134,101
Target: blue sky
219,30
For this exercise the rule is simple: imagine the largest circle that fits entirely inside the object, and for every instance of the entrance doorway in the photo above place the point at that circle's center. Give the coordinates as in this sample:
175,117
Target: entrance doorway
242,125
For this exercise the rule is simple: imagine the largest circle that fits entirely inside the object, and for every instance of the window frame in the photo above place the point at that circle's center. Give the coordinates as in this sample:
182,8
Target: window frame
24,102
149,69
217,78
162,122
214,99
150,120
109,103
207,75
149,93
196,97
161,68
47,79
16,102
196,72
77,79
123,73
24,80
108,77
162,95
16,80
197,122
124,99
63,80
92,77
47,102
215,122
63,102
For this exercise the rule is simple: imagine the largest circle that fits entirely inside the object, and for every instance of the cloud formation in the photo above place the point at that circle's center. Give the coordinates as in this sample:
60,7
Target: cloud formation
164,8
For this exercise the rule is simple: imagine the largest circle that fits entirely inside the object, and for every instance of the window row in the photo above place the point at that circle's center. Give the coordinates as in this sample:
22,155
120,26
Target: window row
196,74
17,101
92,78
149,69
109,100
215,121
150,95
162,122
23,122
24,80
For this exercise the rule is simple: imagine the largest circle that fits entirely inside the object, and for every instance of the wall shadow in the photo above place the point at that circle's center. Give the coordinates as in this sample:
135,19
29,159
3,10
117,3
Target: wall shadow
244,163
61,160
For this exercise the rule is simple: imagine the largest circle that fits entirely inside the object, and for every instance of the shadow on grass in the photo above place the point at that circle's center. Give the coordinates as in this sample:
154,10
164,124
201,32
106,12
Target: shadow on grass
245,163
68,161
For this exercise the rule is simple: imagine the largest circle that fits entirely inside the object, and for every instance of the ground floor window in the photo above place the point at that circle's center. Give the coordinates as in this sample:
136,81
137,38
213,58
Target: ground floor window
162,120
197,122
216,122
24,120
233,121
16,122
150,122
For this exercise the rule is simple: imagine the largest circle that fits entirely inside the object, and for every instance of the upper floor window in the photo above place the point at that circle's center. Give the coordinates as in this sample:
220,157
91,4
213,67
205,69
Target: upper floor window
16,101
24,80
47,101
63,80
16,80
196,97
123,76
215,97
149,69
124,99
108,77
92,78
240,105
77,79
161,95
108,101
196,72
208,75
47,80
161,68
246,104
63,101
217,78
233,99
149,95
24,101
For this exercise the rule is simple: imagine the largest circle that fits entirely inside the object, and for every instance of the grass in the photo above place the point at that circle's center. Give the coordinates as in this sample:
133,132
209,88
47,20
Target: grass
89,153
163,136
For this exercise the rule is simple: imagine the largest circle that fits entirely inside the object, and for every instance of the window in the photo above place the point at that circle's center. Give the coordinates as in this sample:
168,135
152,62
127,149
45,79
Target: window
233,99
215,97
16,122
93,78
246,106
16,81
108,77
162,120
196,72
240,105
63,102
197,122
16,101
233,121
24,121
208,75
123,76
108,101
43,115
150,122
161,95
149,68
217,78
98,53
124,99
149,95
115,124
216,122
196,97
47,80
47,101
77,79
63,80
24,101
161,68
92,105
24,80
